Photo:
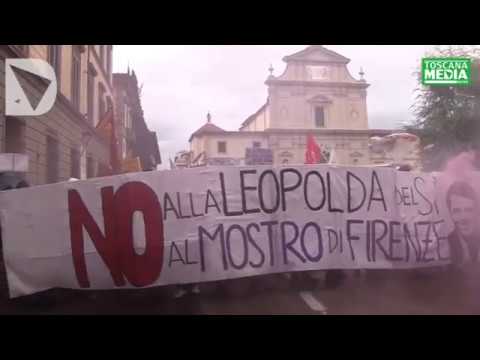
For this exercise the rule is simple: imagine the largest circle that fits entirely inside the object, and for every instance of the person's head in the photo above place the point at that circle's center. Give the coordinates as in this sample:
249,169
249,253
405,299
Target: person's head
463,206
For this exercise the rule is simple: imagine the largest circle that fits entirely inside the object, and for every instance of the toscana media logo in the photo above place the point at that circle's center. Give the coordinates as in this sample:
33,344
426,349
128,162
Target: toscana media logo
446,71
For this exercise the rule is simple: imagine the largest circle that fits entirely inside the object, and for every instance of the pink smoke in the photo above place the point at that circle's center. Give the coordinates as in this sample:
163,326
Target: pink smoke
458,168
462,164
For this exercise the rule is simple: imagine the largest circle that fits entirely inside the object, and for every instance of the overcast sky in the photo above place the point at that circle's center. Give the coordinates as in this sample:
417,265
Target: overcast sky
181,83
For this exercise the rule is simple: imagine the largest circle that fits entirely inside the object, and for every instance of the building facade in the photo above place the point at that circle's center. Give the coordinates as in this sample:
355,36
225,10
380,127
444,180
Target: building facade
315,95
135,139
62,143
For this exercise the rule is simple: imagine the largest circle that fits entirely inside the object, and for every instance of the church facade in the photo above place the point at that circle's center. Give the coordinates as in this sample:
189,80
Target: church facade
315,95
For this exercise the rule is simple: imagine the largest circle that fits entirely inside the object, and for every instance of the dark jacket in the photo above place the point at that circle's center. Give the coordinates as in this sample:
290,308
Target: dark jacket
456,251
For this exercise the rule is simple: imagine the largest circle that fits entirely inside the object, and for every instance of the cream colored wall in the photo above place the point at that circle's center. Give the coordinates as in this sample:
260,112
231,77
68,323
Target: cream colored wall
299,71
101,77
343,147
236,144
268,117
84,88
291,107
347,147
198,145
195,146
260,122
97,63
66,71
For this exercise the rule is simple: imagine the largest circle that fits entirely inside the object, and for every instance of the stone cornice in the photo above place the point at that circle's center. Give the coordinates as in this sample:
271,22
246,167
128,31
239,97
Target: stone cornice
305,56
314,61
268,132
327,84
372,132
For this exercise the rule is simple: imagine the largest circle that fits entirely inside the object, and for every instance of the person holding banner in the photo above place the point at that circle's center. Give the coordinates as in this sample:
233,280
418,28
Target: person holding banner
334,277
182,290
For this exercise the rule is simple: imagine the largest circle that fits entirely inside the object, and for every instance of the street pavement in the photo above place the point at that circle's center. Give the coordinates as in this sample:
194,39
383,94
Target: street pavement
373,293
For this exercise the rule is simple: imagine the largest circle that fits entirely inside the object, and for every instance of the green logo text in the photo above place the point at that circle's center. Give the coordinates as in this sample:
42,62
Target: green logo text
446,71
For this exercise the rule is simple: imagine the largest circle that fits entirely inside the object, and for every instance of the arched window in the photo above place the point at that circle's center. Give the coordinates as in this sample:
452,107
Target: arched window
319,116
320,104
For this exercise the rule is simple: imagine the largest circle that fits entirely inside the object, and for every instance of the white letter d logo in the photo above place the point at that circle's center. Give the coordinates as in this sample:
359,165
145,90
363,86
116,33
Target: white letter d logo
17,101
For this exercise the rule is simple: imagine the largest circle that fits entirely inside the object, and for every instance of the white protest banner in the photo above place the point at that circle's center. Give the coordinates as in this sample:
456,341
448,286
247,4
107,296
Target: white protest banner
205,224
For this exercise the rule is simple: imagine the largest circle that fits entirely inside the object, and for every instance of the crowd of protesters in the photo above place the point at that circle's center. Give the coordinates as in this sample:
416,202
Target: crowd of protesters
463,205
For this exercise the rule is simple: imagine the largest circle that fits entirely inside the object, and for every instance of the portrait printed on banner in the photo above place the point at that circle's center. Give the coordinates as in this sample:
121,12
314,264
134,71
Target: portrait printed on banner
464,240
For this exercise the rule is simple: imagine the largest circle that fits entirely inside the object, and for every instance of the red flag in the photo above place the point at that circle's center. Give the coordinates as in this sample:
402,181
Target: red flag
313,155
106,127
